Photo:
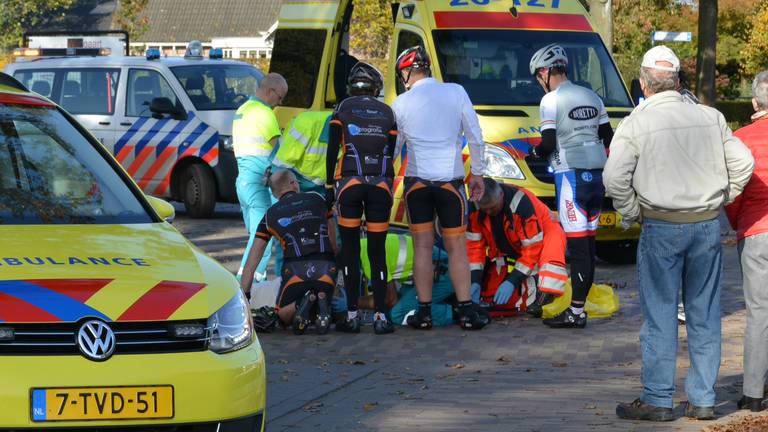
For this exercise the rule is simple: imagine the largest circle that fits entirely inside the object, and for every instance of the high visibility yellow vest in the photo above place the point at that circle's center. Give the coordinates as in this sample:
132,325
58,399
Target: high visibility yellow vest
255,125
302,148
399,257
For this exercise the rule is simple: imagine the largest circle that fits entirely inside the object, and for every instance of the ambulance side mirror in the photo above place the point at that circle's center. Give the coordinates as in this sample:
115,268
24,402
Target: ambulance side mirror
161,106
163,208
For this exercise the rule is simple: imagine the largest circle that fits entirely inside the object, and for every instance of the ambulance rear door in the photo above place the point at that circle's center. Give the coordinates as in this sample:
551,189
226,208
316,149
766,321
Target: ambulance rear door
311,52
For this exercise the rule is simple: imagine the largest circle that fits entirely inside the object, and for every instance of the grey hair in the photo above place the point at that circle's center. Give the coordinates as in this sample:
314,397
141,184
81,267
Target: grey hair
492,190
657,81
760,89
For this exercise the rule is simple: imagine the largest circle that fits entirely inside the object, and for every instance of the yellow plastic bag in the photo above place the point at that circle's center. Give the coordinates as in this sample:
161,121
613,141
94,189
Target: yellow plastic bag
602,302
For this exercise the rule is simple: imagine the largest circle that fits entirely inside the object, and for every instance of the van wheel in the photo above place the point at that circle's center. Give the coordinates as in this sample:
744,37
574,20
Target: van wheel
617,251
198,190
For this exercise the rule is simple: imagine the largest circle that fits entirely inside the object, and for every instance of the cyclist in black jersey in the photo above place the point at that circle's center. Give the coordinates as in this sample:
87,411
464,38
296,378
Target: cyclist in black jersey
363,129
303,225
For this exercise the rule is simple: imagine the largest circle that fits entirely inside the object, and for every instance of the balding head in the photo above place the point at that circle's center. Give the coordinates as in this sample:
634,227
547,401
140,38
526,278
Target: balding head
282,182
272,89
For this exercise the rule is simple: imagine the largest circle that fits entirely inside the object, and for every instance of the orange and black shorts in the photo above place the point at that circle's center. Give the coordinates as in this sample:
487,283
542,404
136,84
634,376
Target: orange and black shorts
369,195
306,274
445,199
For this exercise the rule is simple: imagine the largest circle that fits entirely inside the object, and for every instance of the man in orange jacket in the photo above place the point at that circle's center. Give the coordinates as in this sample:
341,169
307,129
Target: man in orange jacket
510,223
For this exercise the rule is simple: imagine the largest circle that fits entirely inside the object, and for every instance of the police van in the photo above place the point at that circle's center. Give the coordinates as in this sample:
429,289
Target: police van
167,120
483,45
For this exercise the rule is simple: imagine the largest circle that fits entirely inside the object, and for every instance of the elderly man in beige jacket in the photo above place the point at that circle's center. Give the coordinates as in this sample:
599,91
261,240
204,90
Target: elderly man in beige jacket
672,167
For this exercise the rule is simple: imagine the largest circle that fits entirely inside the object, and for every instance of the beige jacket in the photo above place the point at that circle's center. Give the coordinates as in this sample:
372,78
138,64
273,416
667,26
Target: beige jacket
675,161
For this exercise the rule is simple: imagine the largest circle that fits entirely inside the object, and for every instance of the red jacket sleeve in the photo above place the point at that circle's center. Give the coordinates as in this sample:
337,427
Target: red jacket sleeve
476,244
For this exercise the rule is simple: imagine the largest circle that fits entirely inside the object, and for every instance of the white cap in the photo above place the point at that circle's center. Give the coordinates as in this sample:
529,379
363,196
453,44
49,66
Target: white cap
661,54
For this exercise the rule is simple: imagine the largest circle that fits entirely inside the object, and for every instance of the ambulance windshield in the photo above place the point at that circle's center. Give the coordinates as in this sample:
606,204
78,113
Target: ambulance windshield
51,174
492,65
218,86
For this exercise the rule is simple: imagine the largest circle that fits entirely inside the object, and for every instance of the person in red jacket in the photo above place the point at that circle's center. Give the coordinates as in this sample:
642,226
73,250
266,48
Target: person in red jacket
748,215
510,223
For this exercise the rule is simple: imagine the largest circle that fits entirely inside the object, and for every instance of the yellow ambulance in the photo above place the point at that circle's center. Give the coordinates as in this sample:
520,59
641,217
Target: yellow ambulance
483,45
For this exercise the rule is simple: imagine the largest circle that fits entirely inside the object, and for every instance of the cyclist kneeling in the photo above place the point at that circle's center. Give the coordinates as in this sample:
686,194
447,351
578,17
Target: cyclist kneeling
303,225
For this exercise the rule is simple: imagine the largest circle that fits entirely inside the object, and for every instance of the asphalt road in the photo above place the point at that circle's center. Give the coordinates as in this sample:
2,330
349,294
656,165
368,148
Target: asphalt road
515,375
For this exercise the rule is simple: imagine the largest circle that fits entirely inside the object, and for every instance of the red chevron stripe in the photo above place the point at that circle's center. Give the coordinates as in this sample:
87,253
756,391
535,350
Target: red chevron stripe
211,155
123,153
78,289
161,301
163,186
16,310
139,161
159,162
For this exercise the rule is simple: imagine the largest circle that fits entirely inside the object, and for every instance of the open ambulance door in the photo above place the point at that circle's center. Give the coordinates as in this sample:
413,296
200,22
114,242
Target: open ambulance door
311,51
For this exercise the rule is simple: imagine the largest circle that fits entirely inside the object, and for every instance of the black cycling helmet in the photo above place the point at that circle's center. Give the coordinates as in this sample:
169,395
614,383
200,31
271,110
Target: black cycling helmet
364,79
412,58
264,319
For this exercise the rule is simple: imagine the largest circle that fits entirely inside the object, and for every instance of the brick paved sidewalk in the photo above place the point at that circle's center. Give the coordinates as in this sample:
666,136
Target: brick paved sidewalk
516,375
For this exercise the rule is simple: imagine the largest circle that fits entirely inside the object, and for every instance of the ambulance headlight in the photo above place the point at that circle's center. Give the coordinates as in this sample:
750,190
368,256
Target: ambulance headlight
231,326
226,143
499,163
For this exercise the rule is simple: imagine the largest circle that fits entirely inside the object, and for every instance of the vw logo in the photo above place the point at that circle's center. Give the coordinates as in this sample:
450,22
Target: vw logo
96,340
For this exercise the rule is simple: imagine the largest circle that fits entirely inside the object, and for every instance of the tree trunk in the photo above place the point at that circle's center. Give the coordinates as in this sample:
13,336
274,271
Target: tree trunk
706,58
602,14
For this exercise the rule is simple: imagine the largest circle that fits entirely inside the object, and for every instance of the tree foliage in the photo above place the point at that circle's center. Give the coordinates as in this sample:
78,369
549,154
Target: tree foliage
370,32
634,20
17,16
754,51
129,18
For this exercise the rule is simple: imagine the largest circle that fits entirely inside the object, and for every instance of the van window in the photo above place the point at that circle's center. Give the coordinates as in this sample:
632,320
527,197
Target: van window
297,57
39,81
493,65
218,87
89,91
406,39
143,86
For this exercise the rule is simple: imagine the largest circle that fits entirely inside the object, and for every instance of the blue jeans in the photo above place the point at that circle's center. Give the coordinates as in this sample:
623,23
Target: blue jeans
672,257
255,199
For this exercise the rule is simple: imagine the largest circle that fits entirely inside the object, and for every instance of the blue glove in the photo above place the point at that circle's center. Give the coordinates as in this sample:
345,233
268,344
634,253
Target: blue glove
475,292
339,303
504,293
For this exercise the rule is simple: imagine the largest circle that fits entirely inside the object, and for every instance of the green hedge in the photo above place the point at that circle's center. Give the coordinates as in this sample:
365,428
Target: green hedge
737,113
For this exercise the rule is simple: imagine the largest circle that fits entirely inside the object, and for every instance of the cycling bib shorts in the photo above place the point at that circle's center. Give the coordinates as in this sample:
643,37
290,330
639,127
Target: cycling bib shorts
580,195
300,276
447,199
367,195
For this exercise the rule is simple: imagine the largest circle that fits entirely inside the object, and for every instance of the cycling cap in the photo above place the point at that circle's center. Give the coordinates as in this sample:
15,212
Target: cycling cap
364,77
547,57
661,54
414,57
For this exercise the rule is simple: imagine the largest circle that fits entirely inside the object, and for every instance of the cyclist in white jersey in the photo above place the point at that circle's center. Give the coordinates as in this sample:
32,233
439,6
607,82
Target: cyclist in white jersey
575,134
433,120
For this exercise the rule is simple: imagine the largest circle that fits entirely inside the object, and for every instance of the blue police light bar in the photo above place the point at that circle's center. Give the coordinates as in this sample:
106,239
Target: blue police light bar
215,53
153,54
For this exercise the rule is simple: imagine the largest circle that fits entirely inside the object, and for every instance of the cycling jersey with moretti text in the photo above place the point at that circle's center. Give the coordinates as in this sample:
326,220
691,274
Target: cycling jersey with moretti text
575,113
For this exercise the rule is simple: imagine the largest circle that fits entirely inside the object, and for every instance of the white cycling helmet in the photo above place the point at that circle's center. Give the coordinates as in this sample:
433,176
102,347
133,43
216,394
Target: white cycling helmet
547,57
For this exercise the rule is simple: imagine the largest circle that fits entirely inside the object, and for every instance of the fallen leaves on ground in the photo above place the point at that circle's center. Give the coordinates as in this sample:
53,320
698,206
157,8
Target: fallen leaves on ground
559,364
456,366
313,407
504,359
743,424
370,406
